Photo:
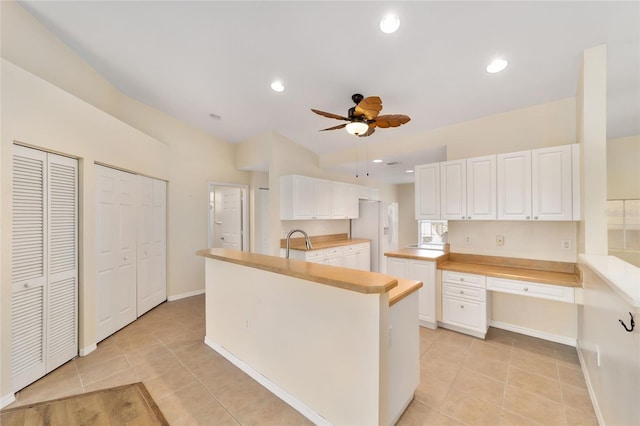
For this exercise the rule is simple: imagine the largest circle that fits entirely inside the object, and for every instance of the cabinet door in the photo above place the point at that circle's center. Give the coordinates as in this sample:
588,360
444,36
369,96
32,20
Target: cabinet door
427,191
426,272
321,199
453,194
352,202
464,313
397,267
481,188
552,187
351,259
303,197
514,185
338,200
363,259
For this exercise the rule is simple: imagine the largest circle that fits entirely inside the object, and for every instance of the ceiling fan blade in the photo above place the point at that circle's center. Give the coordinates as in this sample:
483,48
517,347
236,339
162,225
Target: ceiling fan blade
370,107
392,120
372,128
339,126
330,115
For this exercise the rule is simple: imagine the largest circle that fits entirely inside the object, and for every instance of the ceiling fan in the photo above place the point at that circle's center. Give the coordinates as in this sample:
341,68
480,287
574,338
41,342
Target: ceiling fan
363,118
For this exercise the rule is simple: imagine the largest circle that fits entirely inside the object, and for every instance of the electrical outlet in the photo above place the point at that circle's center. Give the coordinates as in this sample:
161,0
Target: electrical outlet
499,240
565,244
467,239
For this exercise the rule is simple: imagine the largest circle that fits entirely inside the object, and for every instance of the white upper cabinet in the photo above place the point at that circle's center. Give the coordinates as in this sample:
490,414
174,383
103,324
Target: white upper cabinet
427,191
344,201
514,186
537,184
481,188
304,198
551,183
453,194
468,189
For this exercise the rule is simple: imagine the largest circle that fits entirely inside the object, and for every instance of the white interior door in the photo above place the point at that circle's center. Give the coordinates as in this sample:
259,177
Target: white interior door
28,277
116,235
151,268
231,214
44,318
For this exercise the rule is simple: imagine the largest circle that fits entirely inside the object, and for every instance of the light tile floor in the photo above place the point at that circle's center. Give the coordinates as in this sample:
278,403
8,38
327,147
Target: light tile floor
507,379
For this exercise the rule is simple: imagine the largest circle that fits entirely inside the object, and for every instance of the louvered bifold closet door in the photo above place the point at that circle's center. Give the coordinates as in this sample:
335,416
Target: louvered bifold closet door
28,274
62,300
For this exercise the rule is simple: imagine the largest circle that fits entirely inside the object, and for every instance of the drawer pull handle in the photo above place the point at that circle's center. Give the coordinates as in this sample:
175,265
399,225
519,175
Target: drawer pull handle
526,289
633,324
462,279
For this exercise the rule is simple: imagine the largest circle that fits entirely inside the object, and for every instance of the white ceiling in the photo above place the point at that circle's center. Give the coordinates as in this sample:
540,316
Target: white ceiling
191,59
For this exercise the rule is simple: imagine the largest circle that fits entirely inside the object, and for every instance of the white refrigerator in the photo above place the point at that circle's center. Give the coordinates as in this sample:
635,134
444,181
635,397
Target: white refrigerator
378,222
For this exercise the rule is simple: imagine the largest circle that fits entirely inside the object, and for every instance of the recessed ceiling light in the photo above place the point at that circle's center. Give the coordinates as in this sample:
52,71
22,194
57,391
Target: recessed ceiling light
497,65
389,24
277,86
377,161
409,171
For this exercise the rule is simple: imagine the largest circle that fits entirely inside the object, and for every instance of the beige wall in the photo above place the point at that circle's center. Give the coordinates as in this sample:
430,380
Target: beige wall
407,223
51,99
524,239
538,126
623,168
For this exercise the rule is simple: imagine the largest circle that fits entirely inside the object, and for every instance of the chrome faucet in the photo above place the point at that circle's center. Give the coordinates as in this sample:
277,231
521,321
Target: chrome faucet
307,241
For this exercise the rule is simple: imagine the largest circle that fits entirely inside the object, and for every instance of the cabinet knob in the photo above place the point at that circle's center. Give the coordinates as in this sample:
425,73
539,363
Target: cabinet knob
462,217
468,217
126,258
461,278
528,217
535,217
461,306
526,289
146,252
461,291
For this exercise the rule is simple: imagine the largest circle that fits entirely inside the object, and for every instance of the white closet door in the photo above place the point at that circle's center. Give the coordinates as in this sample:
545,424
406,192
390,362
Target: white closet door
116,235
62,282
151,268
44,325
28,277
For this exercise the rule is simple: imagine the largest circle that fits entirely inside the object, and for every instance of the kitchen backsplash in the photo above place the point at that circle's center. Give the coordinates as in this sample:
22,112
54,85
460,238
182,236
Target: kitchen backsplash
531,240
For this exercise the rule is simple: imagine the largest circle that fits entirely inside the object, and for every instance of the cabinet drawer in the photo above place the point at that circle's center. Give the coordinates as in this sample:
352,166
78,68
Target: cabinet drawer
315,255
463,278
333,251
464,291
524,288
464,313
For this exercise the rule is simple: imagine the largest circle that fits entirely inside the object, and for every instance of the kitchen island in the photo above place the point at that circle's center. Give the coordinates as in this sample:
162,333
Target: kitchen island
317,336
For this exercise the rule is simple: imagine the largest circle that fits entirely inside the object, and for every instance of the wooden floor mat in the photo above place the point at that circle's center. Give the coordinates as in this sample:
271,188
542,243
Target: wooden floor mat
122,405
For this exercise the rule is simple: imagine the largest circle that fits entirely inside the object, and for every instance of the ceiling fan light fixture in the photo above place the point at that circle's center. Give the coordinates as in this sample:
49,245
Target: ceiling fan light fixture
389,24
357,128
497,65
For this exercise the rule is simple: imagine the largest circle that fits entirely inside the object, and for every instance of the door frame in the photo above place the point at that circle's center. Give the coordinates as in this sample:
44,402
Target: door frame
244,220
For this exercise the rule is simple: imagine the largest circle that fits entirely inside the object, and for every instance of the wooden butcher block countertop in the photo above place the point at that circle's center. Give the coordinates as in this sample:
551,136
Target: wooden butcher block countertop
405,287
348,279
321,242
540,271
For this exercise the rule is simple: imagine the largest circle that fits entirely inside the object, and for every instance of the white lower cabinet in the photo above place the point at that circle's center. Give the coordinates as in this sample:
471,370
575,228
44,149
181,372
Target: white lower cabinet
353,256
420,270
531,289
465,307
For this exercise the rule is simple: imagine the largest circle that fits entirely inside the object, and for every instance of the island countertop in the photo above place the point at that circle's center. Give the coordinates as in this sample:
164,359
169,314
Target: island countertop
348,279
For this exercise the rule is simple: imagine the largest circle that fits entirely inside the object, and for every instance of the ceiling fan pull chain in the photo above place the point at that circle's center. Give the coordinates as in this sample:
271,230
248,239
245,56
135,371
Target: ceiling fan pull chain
367,160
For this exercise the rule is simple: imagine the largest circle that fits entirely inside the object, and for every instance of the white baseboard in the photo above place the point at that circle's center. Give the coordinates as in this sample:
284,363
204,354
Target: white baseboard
185,295
6,400
428,324
86,351
534,333
592,394
294,402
